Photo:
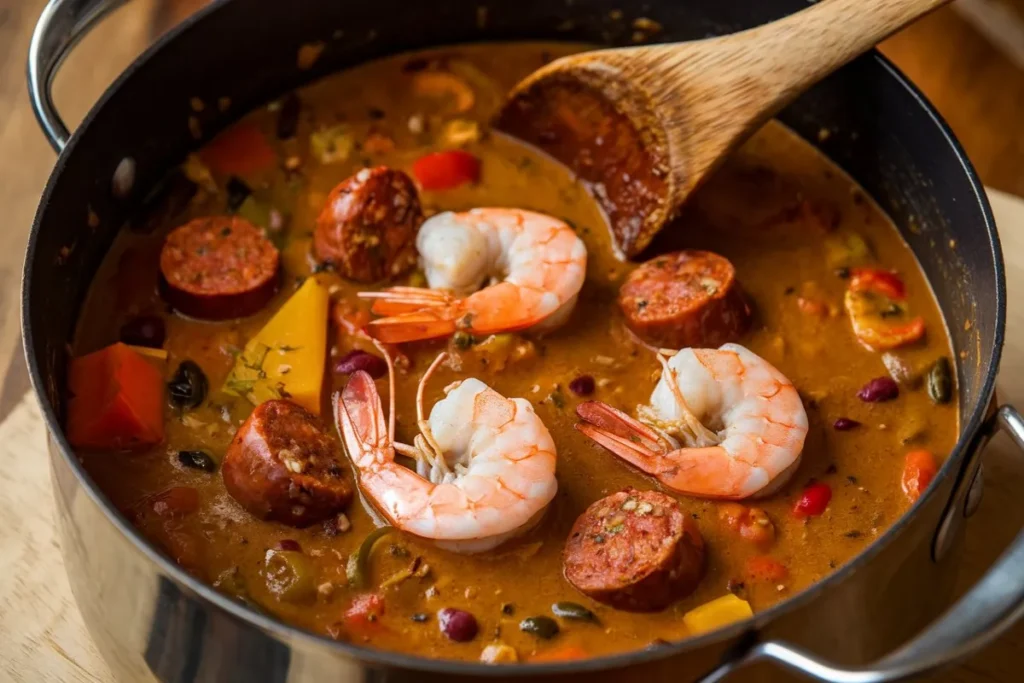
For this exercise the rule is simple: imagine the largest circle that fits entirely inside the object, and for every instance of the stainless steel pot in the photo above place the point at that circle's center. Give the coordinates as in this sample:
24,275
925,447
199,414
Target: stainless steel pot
151,620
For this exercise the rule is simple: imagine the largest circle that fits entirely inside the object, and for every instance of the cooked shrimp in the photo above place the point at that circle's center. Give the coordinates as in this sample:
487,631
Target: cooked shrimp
721,423
485,463
533,266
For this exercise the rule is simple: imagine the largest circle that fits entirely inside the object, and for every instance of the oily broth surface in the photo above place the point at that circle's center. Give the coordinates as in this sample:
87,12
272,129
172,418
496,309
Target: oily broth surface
745,212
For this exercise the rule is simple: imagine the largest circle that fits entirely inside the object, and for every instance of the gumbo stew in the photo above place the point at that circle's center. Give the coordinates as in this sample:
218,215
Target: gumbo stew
376,369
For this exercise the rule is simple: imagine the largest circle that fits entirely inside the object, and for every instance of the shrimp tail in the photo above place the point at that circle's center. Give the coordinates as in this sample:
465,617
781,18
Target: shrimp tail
629,439
398,300
611,423
360,417
413,326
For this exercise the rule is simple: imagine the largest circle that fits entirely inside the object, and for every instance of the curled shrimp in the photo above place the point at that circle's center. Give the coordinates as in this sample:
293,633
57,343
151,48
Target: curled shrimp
533,266
721,423
485,464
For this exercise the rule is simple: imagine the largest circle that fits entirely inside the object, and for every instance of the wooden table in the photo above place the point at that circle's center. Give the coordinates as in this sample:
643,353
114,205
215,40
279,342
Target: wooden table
41,635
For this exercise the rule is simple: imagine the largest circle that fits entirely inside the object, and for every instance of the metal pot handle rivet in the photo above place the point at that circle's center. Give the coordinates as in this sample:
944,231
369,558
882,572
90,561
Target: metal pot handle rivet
61,25
988,609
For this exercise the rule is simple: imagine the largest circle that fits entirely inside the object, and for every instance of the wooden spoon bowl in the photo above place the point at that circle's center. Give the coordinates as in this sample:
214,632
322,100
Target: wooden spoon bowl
643,126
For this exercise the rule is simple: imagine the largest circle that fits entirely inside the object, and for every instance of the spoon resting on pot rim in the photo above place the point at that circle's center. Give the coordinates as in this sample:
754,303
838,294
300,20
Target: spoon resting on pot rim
643,126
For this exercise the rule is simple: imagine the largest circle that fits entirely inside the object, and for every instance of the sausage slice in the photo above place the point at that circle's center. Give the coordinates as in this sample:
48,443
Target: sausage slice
367,229
685,299
219,267
282,466
636,551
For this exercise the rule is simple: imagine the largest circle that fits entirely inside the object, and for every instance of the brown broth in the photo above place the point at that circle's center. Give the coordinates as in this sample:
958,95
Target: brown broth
770,210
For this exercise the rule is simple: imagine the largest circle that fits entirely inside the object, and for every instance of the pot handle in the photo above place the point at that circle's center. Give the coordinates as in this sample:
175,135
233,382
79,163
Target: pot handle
61,25
983,614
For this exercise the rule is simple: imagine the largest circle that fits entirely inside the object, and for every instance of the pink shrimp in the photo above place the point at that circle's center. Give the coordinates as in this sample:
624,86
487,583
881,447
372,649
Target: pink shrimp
533,266
758,420
485,463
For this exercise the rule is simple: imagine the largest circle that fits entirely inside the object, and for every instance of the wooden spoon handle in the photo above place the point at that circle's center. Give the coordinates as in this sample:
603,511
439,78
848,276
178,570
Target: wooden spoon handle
803,48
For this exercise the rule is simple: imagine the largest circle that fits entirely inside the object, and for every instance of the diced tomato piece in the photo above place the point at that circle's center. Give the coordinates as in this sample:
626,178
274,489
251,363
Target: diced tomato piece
364,614
813,500
445,170
117,400
177,501
242,149
752,524
765,568
813,307
884,282
565,653
919,468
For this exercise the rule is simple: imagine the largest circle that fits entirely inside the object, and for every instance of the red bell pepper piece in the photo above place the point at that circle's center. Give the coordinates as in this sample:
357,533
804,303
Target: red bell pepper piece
446,170
242,149
364,615
813,501
919,468
884,282
117,400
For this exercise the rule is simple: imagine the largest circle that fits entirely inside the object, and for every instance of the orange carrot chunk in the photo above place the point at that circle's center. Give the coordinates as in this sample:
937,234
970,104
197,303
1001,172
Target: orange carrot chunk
242,149
919,468
117,400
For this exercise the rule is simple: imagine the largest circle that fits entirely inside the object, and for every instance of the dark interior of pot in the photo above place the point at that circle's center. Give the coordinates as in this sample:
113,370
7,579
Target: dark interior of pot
865,118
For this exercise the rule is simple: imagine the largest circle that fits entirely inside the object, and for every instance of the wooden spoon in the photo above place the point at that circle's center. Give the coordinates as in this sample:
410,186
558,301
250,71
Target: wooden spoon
643,126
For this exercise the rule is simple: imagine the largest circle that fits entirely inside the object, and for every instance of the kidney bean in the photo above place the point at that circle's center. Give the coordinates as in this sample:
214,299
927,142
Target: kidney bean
353,361
457,624
845,424
144,330
290,545
582,385
879,389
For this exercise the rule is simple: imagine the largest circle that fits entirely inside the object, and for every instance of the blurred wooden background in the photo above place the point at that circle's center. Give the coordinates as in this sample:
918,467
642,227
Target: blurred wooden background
968,59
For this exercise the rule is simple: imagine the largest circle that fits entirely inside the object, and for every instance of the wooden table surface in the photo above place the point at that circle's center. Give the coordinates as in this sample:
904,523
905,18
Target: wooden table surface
975,85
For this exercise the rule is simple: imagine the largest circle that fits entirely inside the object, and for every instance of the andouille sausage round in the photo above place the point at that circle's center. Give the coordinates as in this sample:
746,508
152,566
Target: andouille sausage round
282,466
636,551
685,299
218,268
367,228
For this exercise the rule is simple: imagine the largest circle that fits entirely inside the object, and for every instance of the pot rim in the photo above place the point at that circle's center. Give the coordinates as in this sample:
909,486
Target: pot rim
295,636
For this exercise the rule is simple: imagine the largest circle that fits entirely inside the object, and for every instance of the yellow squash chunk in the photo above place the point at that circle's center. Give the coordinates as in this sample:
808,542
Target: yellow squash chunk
158,354
716,614
286,359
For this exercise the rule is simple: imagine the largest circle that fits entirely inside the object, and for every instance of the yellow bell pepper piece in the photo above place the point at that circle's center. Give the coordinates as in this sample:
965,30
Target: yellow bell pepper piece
716,614
286,358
